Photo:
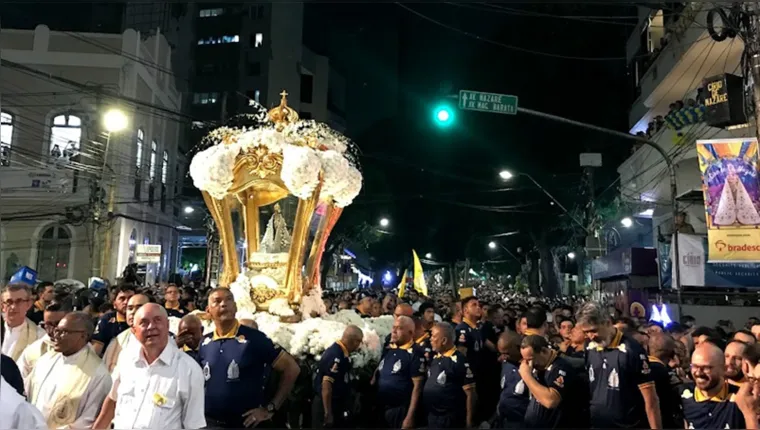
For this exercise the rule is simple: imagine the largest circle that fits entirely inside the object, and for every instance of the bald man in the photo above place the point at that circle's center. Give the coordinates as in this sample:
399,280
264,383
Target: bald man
332,403
403,309
710,401
190,335
400,376
158,376
125,339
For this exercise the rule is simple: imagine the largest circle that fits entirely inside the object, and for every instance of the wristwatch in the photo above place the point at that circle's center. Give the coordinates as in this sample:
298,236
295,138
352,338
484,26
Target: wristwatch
271,408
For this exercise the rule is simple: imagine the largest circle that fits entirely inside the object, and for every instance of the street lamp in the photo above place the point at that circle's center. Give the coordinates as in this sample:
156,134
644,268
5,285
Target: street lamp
571,255
189,209
115,120
384,222
505,175
492,245
428,256
626,222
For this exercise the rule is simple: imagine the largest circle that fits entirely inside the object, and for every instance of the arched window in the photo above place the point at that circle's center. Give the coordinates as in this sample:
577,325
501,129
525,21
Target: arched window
6,138
153,152
53,250
140,143
132,246
165,167
65,136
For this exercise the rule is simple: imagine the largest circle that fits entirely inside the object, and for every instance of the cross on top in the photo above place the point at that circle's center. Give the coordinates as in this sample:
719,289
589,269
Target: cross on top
284,93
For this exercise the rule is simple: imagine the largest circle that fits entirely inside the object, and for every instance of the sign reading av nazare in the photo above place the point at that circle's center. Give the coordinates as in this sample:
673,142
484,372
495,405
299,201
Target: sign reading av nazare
488,102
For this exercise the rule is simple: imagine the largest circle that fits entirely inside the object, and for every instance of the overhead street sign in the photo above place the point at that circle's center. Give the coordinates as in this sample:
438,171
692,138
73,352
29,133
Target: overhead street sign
488,102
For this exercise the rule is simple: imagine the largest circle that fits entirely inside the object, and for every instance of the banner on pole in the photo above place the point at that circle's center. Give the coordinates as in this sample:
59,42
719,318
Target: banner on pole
732,201
691,260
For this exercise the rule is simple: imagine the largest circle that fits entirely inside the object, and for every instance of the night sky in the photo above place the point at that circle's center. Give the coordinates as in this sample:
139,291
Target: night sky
425,179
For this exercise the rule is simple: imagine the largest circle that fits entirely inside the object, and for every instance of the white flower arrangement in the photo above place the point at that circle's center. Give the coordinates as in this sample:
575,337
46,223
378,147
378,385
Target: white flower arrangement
212,168
280,307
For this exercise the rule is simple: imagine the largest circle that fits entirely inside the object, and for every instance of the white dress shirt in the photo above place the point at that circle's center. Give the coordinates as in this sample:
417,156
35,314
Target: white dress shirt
15,412
48,378
31,354
167,394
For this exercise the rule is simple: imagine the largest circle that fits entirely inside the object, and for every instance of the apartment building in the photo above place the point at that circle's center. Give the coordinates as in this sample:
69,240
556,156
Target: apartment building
53,148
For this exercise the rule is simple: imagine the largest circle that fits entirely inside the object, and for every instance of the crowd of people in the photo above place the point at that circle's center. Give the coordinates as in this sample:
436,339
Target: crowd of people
108,360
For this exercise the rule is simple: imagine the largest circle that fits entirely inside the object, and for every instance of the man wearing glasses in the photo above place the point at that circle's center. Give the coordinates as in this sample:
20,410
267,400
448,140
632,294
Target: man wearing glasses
53,315
69,384
18,331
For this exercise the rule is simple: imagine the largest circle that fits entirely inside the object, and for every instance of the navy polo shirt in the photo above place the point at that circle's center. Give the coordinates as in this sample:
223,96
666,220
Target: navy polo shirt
559,377
396,372
670,407
177,312
719,412
469,336
423,344
109,326
334,367
514,398
235,366
448,378
616,375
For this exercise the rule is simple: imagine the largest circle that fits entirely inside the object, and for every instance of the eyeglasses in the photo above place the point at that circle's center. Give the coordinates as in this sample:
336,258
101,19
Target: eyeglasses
60,332
703,369
18,302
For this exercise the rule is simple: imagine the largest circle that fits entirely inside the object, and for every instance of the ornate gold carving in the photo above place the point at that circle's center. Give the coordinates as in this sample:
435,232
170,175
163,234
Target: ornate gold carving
283,114
260,162
261,294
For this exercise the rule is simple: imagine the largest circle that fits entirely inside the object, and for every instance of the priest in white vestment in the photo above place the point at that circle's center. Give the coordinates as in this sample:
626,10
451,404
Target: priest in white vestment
16,412
125,339
53,315
18,330
69,384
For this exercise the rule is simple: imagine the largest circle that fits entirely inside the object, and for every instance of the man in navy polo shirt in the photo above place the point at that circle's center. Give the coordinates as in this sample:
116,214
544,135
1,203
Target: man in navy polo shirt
400,377
469,339
332,401
513,402
112,323
710,401
449,392
620,380
551,404
236,361
402,309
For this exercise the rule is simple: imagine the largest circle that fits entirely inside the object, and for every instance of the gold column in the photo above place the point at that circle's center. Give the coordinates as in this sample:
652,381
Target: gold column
251,222
222,215
298,244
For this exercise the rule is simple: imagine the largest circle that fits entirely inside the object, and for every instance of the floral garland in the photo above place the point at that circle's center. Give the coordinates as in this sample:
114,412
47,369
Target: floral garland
307,148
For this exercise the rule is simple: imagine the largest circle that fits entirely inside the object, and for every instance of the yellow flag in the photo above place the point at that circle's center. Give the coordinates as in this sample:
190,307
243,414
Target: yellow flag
402,285
419,277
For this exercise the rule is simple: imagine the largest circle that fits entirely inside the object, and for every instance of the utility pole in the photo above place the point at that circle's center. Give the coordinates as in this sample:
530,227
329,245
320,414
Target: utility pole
95,193
752,49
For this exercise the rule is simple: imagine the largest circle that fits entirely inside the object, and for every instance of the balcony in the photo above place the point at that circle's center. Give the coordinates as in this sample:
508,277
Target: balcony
38,184
689,56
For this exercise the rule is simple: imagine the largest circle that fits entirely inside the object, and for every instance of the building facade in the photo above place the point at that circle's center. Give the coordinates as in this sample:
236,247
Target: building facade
54,172
670,53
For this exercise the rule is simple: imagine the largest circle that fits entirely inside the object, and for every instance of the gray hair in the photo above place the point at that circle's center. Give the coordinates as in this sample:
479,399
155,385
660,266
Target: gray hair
18,286
592,313
83,319
447,330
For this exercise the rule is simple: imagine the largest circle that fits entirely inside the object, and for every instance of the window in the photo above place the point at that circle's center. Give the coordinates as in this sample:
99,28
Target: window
140,143
254,69
216,40
254,95
304,115
208,13
153,152
53,251
257,40
165,167
205,98
307,84
65,136
6,138
132,246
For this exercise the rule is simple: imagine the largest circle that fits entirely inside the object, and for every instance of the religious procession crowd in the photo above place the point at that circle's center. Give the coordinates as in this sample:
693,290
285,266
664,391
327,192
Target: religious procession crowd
447,363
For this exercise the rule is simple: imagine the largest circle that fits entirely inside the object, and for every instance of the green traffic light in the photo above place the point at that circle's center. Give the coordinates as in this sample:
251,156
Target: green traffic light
443,115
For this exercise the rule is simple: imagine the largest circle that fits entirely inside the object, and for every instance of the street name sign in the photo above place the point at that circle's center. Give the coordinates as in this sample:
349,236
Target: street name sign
488,102
147,254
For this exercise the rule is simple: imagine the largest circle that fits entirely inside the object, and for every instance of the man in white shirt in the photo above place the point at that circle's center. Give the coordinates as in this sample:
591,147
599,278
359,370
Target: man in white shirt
53,315
161,387
18,331
15,412
69,384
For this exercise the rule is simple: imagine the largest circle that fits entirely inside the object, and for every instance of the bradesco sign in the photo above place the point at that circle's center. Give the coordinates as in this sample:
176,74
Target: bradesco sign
738,247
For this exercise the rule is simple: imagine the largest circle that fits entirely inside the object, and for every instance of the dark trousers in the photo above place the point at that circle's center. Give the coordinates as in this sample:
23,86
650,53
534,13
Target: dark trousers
342,418
446,421
393,417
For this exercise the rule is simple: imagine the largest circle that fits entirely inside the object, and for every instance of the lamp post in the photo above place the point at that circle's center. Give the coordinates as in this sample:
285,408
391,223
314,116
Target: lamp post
114,121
